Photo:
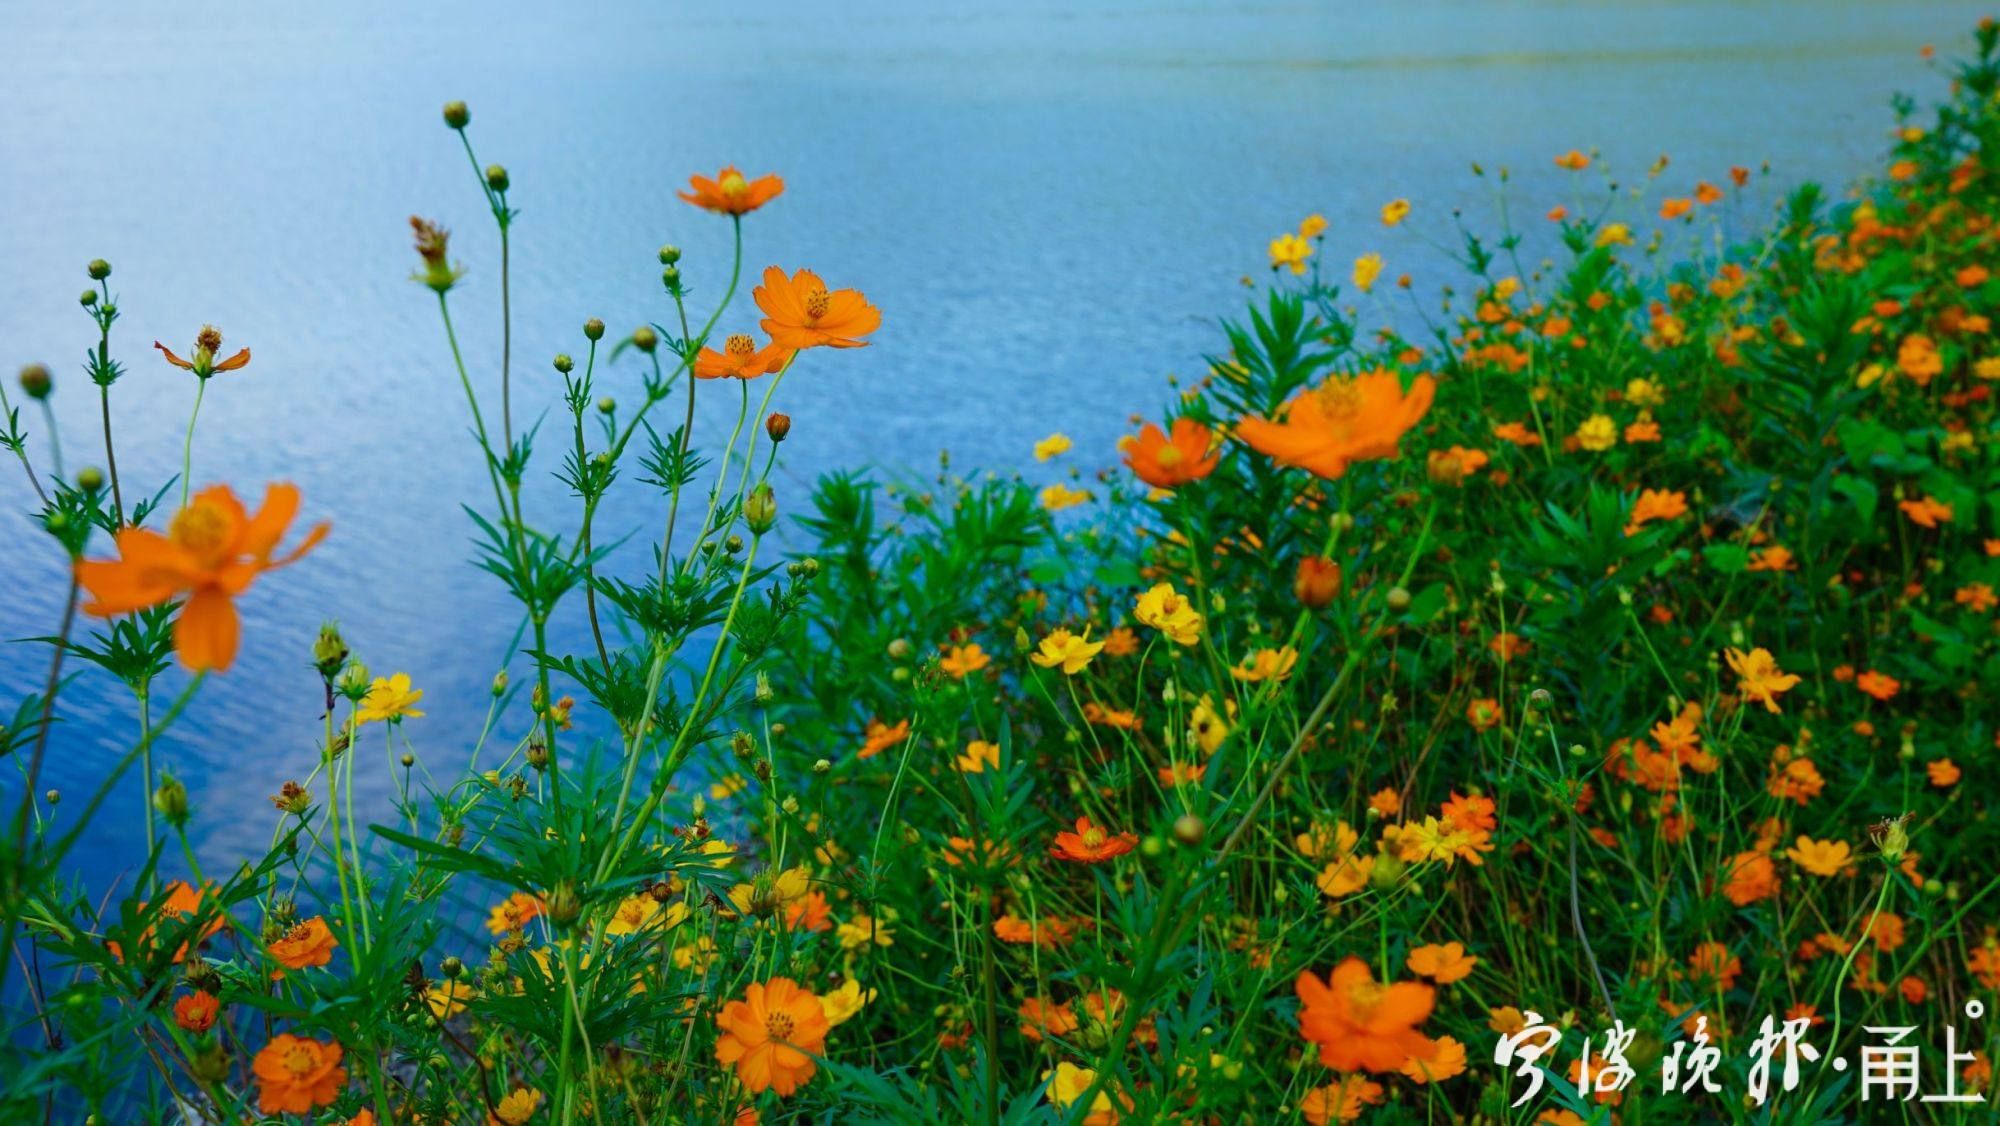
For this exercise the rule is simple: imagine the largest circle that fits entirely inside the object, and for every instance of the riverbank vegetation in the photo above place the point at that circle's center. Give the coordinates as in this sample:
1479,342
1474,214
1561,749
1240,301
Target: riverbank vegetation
1607,646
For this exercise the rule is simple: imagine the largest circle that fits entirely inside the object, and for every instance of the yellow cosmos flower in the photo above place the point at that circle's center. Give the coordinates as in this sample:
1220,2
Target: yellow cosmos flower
634,914
979,756
1367,268
1597,434
1312,226
1821,858
843,1003
1070,652
1059,496
1290,252
1395,211
390,698
1267,664
1167,610
1758,676
861,930
1052,446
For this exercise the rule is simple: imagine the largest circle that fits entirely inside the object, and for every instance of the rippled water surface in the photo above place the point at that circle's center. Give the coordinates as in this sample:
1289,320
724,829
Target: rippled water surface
1050,203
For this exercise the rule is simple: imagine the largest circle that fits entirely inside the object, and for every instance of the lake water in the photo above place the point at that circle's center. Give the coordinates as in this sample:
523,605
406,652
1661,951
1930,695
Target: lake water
1050,203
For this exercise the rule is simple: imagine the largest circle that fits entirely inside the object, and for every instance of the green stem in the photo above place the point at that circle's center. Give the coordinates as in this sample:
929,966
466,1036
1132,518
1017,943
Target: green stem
187,446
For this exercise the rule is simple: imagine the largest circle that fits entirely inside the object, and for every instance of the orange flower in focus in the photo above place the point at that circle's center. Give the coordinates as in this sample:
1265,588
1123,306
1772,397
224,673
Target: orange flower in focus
296,1075
960,661
1362,1025
308,944
196,1012
1090,844
1166,462
1342,421
202,362
212,552
730,193
182,901
740,358
771,1035
800,312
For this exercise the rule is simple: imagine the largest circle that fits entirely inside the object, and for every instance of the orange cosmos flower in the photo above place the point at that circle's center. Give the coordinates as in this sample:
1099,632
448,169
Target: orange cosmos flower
730,193
212,552
1361,1025
196,1012
1090,844
1656,504
1927,512
1443,964
1879,685
1758,676
1752,877
182,901
960,661
1167,462
513,913
1340,1101
771,1035
297,1076
740,358
1573,161
308,944
800,312
1943,773
881,737
202,360
1340,422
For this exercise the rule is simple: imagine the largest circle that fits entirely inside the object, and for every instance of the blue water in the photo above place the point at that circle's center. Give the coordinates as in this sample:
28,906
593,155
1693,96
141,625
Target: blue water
1050,206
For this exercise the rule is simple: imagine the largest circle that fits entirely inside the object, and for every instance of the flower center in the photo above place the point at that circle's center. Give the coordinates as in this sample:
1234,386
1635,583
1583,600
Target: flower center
734,184
1168,457
301,1062
817,303
297,933
779,1026
1093,838
202,530
1339,398
740,345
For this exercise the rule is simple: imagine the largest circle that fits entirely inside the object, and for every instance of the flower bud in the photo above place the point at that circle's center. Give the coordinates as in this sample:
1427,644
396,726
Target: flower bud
899,649
645,339
671,278
1317,581
88,297
90,478
593,329
564,364
1189,829
452,968
822,766
563,903
777,426
171,799
764,693
760,509
456,115
496,177
99,269
606,405
500,683
36,381
669,254
1399,598
329,651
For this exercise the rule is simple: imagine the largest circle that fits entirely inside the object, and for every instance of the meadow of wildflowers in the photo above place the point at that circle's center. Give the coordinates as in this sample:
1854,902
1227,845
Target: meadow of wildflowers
1556,706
